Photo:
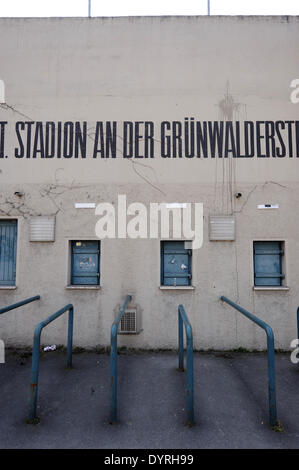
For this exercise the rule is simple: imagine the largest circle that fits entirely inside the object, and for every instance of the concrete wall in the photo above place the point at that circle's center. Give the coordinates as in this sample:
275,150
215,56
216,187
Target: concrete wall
150,69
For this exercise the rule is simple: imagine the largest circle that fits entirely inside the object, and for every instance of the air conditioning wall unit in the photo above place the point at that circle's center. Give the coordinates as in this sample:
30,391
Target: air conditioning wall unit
130,322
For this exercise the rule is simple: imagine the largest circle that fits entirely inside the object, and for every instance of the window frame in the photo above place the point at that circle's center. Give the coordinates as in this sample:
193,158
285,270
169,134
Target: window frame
282,261
71,265
11,284
189,251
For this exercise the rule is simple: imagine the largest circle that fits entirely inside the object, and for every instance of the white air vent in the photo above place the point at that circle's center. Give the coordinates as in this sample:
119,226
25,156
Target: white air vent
222,227
42,229
128,322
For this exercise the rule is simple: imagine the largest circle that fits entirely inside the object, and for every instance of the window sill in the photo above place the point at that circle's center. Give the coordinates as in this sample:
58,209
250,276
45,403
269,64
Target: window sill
8,287
176,287
271,288
83,287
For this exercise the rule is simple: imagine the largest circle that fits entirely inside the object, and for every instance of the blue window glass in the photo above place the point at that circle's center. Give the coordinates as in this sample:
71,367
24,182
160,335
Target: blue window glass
85,263
268,263
175,264
8,252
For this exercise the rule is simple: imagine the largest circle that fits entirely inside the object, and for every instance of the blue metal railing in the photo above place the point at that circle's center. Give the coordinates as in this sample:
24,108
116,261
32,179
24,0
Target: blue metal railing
19,304
182,318
36,354
113,361
271,357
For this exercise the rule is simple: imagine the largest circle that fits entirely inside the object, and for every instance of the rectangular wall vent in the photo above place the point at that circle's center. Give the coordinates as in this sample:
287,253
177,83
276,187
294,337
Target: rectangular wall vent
128,323
42,229
222,227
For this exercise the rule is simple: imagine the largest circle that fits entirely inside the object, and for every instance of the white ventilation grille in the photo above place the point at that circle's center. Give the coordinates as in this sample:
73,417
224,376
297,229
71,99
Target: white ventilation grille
128,323
222,227
42,229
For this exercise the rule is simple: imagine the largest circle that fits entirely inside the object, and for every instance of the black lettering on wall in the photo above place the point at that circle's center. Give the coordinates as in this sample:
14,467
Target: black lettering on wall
59,139
38,143
138,137
20,152
297,137
111,136
269,138
280,152
216,138
2,137
229,145
290,137
50,140
68,139
165,140
128,139
189,138
80,139
249,139
99,141
176,139
201,139
149,139
259,137
29,125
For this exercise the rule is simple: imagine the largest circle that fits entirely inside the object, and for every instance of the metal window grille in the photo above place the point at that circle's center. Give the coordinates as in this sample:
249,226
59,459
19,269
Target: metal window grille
128,323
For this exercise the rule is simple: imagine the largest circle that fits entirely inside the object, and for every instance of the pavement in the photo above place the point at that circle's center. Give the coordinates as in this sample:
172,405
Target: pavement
231,402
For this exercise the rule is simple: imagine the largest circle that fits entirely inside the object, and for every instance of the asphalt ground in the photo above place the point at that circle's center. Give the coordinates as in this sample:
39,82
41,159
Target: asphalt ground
230,398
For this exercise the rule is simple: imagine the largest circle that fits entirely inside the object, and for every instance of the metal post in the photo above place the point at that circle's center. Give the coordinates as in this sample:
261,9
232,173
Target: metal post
270,355
34,374
209,7
89,8
113,375
271,378
190,391
70,337
36,355
189,361
181,342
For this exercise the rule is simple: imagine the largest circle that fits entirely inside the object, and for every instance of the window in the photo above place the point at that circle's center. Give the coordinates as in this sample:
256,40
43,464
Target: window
175,264
268,263
8,252
85,268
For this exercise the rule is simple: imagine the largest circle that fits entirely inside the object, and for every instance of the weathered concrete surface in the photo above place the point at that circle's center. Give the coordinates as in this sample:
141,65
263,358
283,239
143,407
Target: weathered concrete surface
149,69
230,402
